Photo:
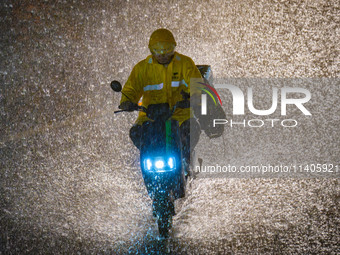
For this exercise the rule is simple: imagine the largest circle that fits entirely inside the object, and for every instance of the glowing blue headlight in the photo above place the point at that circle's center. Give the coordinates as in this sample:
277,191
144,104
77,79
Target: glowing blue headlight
159,164
148,164
171,163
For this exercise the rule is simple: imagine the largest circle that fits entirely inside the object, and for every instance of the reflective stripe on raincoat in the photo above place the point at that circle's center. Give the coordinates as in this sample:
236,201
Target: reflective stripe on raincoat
157,83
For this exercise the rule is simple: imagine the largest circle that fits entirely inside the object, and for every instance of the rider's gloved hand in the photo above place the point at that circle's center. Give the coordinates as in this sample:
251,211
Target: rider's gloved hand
128,106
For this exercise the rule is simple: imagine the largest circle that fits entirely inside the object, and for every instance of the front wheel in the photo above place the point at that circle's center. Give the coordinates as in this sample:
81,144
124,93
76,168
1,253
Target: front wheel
164,225
164,210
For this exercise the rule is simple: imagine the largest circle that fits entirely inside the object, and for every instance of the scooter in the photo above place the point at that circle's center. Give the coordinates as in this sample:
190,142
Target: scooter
161,159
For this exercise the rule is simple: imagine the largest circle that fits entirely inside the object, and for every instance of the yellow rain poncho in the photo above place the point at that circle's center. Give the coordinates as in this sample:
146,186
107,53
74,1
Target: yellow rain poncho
156,83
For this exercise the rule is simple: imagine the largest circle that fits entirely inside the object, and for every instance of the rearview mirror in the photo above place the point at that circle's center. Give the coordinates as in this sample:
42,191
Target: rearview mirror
116,86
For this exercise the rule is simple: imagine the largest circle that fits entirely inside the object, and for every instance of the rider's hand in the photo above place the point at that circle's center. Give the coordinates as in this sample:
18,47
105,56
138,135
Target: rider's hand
128,106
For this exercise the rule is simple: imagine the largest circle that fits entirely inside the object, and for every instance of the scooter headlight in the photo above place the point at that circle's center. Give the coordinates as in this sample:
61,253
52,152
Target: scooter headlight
148,164
160,164
171,163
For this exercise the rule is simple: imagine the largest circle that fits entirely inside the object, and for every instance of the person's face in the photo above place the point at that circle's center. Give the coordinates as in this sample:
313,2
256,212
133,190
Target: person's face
163,52
164,59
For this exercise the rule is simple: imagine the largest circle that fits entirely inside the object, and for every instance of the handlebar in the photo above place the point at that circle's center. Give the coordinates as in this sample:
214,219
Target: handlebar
138,108
185,103
160,111
181,104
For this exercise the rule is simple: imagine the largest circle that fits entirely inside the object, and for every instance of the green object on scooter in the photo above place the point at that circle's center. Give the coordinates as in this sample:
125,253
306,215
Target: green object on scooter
168,135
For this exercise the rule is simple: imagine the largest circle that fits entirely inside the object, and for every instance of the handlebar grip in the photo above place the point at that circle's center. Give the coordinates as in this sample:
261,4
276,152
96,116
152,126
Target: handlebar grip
185,95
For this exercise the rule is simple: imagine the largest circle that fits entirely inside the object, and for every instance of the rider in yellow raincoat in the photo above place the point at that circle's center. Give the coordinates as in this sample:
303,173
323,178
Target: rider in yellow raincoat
161,83
160,78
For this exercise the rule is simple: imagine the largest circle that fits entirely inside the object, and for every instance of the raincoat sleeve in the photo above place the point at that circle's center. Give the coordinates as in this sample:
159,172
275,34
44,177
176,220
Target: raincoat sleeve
133,86
194,78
